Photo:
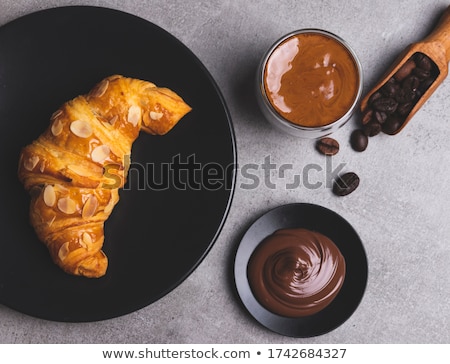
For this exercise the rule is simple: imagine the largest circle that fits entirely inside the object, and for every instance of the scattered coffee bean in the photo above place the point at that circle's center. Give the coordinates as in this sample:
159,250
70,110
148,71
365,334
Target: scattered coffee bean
387,109
346,184
327,146
359,140
373,128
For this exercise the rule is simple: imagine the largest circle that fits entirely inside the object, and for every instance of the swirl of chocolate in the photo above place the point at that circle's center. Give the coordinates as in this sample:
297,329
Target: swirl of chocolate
296,272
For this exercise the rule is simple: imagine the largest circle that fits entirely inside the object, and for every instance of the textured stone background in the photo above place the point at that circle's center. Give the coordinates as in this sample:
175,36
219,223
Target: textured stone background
401,209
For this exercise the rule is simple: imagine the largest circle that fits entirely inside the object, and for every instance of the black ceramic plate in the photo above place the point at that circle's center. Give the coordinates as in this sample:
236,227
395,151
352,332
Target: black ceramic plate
181,185
327,222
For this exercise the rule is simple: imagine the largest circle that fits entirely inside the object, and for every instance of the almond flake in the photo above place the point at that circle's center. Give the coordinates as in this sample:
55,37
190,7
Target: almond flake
49,195
67,205
100,153
156,115
63,251
134,115
31,162
87,239
100,89
81,128
90,207
56,114
114,77
57,127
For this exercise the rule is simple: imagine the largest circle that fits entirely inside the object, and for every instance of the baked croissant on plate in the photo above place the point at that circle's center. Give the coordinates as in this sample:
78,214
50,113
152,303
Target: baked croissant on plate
64,169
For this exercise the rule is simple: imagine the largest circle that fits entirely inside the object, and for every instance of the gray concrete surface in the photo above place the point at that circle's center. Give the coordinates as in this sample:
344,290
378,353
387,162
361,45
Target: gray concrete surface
401,209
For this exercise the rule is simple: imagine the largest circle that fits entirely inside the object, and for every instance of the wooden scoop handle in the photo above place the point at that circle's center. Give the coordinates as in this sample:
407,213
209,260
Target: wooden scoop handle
440,36
436,46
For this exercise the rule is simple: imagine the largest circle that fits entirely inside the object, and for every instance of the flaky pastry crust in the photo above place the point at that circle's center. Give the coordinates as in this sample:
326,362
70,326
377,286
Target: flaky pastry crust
64,169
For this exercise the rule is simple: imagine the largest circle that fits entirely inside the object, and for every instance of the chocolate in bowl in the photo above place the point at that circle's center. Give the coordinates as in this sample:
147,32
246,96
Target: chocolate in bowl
296,272
316,218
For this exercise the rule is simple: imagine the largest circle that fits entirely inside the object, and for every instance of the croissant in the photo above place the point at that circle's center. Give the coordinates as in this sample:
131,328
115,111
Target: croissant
64,169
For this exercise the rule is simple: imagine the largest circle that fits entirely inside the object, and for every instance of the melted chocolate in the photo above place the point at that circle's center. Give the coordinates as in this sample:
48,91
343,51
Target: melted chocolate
311,79
296,272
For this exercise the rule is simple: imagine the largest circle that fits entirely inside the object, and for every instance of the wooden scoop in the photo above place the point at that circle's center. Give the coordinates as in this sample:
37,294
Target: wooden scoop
437,47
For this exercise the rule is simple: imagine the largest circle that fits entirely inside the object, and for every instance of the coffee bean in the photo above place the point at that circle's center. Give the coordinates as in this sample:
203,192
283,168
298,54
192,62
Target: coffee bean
390,105
405,70
405,95
358,140
385,104
423,61
373,128
404,109
425,84
346,184
380,116
327,146
367,116
392,124
375,96
411,83
390,88
421,73
417,95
